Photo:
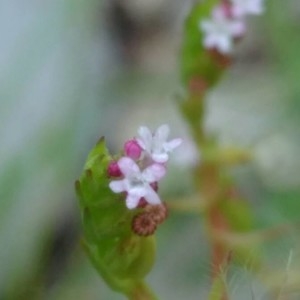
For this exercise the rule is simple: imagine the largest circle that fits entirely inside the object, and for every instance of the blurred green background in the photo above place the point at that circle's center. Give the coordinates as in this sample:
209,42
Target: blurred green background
74,70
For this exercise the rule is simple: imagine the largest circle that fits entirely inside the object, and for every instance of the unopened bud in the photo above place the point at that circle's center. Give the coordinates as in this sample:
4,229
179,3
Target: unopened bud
113,169
132,149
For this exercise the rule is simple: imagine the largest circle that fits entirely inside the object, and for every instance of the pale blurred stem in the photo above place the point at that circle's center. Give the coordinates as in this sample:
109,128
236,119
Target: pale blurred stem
207,181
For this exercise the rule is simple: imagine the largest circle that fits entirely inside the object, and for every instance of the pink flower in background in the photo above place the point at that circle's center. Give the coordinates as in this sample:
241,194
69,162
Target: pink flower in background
241,8
136,183
156,145
221,30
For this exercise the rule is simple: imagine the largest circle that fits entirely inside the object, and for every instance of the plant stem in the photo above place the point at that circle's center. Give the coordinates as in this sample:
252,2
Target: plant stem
207,179
141,291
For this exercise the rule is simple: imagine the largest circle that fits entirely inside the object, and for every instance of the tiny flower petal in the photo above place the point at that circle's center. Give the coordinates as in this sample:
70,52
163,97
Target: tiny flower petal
152,197
225,44
173,144
237,28
127,166
154,173
145,139
160,157
132,201
117,186
138,189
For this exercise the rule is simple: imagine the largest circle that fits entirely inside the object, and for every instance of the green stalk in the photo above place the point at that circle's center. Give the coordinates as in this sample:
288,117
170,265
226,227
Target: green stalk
140,291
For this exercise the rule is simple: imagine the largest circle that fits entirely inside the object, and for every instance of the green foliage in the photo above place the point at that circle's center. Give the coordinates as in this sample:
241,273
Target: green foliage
120,256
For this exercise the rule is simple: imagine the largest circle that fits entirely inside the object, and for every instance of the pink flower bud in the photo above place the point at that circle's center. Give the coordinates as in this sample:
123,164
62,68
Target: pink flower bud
132,149
113,169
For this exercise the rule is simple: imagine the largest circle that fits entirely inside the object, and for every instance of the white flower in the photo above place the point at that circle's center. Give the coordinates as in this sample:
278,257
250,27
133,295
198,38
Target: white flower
221,30
241,8
137,183
156,145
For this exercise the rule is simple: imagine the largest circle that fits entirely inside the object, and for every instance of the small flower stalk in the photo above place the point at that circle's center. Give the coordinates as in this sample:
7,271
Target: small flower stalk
137,173
211,32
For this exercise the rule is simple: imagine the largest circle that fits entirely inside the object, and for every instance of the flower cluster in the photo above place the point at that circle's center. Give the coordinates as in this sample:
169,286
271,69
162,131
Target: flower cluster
227,23
143,165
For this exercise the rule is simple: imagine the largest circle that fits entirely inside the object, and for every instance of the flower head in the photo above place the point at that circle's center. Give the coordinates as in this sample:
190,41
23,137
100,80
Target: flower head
241,8
136,183
221,30
156,145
